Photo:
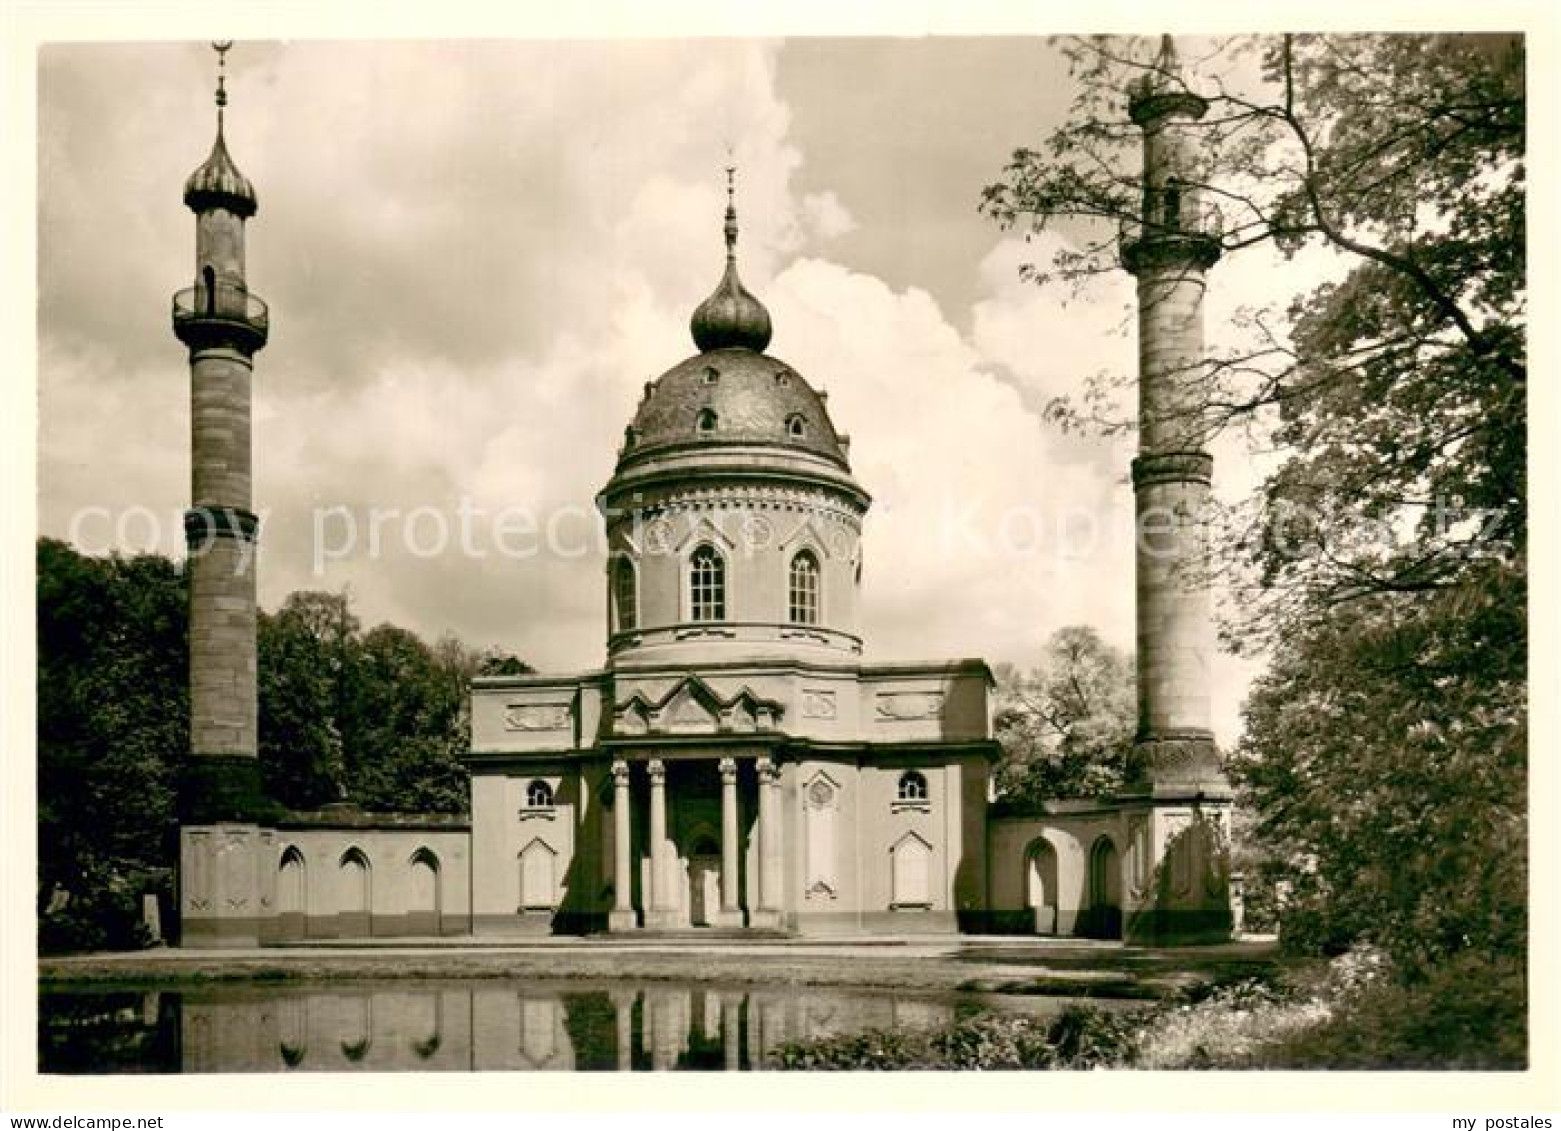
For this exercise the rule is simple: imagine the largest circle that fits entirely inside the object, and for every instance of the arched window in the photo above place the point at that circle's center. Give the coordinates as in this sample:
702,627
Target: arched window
804,588
913,786
707,584
625,595
711,375
209,277
707,420
539,795
796,426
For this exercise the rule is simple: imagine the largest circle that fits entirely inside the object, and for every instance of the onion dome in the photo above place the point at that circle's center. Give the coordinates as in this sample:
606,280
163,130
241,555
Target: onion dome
218,182
731,318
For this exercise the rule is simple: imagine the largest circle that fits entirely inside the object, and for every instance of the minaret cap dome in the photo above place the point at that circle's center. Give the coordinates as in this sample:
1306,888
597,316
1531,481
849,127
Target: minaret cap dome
218,183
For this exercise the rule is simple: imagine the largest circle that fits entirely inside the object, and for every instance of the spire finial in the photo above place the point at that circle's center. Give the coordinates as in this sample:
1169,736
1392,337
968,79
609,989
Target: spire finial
221,47
731,209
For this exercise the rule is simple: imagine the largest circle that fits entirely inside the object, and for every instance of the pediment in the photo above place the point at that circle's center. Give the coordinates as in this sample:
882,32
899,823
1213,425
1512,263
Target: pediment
705,531
691,706
807,536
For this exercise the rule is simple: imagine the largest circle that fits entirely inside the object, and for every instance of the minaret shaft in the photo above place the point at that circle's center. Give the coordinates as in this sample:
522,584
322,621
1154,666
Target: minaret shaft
1178,803
1168,252
224,869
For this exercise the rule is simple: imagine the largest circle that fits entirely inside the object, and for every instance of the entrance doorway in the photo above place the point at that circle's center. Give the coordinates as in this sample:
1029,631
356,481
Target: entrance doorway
704,883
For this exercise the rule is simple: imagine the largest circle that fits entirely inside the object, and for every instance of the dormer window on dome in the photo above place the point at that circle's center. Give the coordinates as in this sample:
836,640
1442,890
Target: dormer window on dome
708,421
796,426
711,375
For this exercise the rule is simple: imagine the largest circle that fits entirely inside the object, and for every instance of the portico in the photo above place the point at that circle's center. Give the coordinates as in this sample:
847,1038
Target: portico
709,857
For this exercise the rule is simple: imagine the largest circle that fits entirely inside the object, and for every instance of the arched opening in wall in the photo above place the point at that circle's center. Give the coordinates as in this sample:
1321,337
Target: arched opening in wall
625,595
423,896
708,421
707,584
912,789
911,874
1040,878
209,279
796,426
538,877
1105,890
355,895
292,893
804,588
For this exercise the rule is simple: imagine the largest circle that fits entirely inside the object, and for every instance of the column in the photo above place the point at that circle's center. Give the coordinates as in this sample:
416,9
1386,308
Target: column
622,917
661,910
768,913
731,912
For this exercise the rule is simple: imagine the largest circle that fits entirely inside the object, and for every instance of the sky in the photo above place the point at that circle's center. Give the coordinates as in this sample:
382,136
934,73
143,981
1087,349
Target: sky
476,253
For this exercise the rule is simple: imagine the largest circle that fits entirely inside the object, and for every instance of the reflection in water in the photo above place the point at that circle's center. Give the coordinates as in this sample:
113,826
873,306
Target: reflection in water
466,1026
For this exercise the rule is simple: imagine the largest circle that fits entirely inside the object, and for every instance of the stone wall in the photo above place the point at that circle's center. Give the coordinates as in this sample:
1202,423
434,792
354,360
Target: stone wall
363,880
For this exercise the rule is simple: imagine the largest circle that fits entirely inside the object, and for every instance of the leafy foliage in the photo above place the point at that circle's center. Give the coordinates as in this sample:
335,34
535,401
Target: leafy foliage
378,718
1067,726
113,721
1386,752
1076,1038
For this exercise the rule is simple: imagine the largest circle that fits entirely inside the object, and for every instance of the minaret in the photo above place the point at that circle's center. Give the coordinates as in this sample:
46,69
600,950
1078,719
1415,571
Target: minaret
1178,873
222,847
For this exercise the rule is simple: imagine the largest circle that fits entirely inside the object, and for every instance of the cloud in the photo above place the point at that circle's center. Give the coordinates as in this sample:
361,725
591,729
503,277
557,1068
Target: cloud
980,540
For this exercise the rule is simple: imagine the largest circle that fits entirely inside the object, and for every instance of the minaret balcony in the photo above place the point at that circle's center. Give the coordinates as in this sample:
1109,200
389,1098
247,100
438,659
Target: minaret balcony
221,314
1190,238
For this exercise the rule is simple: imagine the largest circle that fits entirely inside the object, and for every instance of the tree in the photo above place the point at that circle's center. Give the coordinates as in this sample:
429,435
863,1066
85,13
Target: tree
406,723
302,654
1386,751
1066,727
113,723
1383,565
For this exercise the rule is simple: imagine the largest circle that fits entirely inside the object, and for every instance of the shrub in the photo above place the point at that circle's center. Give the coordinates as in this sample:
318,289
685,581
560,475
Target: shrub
1078,1037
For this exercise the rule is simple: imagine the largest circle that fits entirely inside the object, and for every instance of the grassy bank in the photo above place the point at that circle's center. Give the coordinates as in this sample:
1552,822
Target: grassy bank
1344,1014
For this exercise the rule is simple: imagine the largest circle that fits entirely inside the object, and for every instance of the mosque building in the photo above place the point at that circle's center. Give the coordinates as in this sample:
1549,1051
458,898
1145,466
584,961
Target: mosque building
736,765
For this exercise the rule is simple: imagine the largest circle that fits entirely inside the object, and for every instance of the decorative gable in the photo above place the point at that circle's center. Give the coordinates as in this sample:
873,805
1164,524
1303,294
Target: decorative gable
693,707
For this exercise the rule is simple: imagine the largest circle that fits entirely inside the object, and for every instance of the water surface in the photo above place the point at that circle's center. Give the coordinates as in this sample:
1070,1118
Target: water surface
464,1026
